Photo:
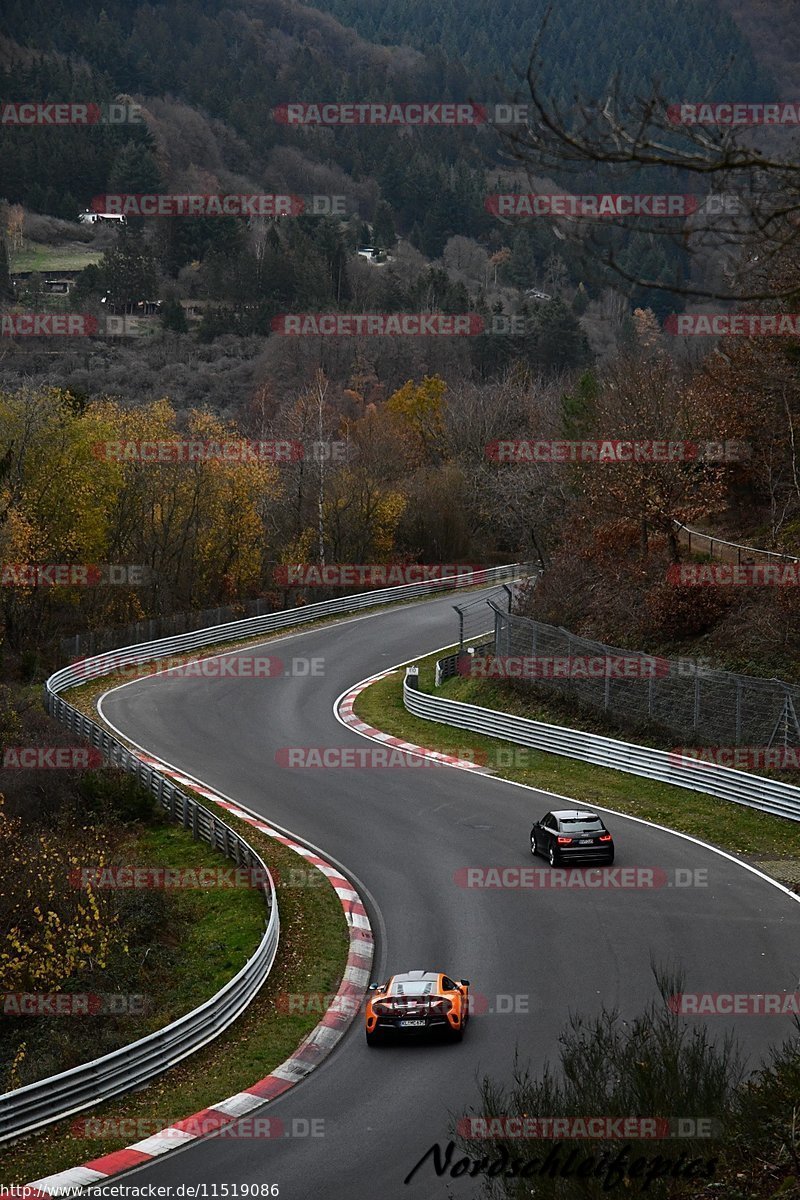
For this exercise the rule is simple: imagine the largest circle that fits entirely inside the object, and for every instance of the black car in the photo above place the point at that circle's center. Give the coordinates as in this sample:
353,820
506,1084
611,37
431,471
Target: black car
572,835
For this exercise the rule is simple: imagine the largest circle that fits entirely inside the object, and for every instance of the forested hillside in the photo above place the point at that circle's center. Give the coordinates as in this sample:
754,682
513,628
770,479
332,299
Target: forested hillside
771,28
235,64
683,44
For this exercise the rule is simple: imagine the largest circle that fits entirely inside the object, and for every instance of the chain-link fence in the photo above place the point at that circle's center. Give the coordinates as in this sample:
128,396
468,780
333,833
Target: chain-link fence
474,620
683,696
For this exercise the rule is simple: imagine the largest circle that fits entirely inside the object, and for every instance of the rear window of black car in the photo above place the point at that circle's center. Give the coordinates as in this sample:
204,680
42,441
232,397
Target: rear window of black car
574,825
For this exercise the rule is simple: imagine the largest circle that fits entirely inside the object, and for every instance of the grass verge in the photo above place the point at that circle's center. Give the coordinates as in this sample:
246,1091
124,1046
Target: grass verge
35,256
311,959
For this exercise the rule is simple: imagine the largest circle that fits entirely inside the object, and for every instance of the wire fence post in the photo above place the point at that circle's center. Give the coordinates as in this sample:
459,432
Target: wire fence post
460,628
570,678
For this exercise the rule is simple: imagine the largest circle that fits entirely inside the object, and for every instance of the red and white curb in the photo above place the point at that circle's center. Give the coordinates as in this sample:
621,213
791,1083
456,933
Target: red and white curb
317,1046
349,718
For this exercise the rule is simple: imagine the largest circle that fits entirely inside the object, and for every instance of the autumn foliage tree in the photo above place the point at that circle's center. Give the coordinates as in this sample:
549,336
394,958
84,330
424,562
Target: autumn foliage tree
197,528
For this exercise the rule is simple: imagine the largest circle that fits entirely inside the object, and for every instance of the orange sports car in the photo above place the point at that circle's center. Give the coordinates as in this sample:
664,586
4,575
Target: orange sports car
417,1002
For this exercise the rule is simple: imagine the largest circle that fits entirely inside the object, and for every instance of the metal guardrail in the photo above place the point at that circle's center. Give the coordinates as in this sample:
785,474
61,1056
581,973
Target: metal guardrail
711,540
447,667
739,787
249,627
37,1104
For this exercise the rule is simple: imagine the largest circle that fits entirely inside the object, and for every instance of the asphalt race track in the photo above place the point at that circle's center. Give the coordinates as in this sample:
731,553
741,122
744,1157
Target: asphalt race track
402,834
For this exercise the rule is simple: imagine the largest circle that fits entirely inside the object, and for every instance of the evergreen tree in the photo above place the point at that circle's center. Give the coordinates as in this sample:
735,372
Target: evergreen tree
383,231
129,270
560,341
173,317
134,171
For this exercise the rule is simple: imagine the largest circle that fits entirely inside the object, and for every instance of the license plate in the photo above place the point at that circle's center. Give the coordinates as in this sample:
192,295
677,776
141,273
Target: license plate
405,1024
586,842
